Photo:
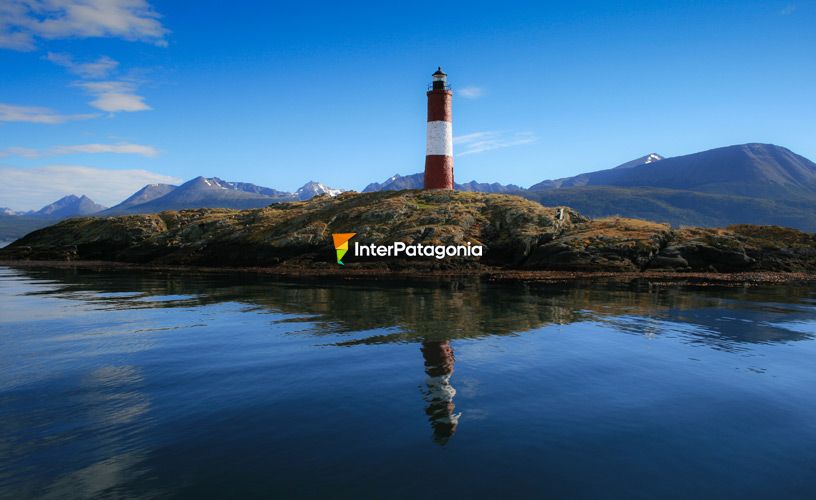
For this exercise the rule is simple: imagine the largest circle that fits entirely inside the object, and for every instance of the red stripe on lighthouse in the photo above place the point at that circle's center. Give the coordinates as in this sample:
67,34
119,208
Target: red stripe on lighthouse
440,106
439,145
438,172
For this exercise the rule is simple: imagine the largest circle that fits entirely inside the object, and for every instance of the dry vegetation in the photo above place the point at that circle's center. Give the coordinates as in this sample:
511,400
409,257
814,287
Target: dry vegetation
517,234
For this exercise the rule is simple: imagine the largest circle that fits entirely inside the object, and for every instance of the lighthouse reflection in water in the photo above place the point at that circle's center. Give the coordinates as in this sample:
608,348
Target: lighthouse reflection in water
439,395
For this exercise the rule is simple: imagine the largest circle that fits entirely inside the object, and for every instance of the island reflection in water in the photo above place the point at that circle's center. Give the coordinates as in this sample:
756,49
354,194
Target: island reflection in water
433,317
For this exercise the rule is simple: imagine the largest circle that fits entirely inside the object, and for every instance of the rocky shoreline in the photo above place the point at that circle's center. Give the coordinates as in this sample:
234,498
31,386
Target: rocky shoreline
652,278
522,240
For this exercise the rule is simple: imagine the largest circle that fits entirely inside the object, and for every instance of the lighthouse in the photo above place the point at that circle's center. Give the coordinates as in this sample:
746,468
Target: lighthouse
439,138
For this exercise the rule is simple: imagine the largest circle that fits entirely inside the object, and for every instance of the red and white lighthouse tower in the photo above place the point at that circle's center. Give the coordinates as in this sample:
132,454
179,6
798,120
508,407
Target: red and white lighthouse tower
439,145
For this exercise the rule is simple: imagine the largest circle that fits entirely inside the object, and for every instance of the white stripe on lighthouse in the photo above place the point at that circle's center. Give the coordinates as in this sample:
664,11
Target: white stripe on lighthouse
439,139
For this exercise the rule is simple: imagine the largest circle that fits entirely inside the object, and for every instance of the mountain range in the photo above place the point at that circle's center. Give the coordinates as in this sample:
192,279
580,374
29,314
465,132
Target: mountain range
742,184
212,192
748,183
583,179
398,182
757,170
201,192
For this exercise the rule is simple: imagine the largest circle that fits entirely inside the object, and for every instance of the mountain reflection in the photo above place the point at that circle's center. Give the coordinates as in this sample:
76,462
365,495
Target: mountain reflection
382,313
434,315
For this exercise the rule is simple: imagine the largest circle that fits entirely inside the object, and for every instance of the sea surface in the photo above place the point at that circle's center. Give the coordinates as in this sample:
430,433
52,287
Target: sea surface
122,384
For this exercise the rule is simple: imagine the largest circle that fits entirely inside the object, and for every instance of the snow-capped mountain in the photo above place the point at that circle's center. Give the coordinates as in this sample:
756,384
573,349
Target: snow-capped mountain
212,192
643,160
209,192
7,211
246,187
584,179
312,189
754,169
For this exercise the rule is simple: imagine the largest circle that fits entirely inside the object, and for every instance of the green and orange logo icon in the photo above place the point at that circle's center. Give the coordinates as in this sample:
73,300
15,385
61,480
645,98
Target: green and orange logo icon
341,245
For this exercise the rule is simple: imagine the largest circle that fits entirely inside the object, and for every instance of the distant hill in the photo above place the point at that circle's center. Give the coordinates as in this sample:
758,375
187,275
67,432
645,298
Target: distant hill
416,181
679,207
755,170
14,224
144,195
748,183
68,206
397,182
484,187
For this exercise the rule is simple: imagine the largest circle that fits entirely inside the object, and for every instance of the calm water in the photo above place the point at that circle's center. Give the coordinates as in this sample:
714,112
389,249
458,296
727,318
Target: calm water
187,385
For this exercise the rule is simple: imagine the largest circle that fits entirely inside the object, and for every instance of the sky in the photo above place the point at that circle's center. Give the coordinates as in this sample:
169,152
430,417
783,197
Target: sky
100,97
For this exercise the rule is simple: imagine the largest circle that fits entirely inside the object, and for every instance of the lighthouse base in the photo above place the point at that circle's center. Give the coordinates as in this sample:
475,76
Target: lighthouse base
438,172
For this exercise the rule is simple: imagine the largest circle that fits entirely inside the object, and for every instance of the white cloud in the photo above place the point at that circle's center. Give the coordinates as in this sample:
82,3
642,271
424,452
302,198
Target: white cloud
470,92
120,148
11,37
109,95
35,114
22,22
30,189
115,95
17,151
479,142
100,68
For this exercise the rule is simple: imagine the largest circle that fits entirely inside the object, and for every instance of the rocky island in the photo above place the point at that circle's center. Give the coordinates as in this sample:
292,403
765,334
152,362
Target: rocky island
517,235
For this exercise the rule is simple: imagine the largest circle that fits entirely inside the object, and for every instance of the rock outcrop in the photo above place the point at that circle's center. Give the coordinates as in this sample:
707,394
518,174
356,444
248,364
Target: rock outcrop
516,234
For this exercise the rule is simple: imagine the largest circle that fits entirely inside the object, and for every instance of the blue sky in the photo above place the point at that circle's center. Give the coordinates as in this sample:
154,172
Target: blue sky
102,96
